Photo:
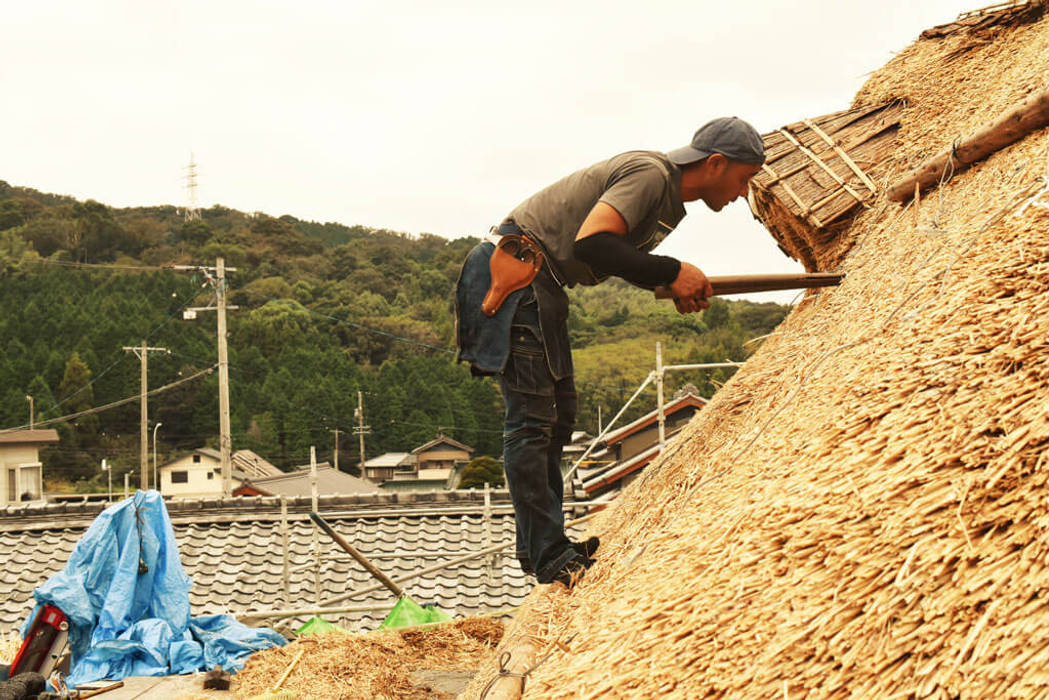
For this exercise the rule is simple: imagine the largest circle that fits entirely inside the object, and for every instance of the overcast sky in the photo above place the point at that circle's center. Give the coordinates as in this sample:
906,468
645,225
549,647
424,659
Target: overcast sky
418,116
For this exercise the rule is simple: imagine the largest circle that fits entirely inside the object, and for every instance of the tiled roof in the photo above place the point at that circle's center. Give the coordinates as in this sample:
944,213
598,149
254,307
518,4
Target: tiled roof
594,479
252,464
442,439
297,483
232,550
673,406
390,459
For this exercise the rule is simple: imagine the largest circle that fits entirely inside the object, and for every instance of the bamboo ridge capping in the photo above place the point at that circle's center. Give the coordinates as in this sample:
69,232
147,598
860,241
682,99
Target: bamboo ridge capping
1022,119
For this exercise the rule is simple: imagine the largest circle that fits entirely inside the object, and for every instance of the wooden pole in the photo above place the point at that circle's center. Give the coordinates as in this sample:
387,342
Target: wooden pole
286,572
316,543
361,559
143,356
745,284
659,396
1023,118
444,565
522,657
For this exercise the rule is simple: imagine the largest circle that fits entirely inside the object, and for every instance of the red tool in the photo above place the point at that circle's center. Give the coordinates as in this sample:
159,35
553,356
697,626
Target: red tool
44,644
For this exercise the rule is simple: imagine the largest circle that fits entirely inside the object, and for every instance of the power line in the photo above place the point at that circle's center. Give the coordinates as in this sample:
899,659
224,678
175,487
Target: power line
120,356
121,402
100,266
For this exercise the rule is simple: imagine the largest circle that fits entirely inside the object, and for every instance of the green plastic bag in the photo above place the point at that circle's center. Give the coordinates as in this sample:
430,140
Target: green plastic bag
408,613
316,625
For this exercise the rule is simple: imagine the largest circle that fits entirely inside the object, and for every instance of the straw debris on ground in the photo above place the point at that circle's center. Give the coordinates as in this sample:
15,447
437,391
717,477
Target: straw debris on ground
10,643
862,510
345,666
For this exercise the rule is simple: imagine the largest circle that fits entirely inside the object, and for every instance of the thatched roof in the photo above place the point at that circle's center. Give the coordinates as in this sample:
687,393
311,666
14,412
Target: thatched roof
862,511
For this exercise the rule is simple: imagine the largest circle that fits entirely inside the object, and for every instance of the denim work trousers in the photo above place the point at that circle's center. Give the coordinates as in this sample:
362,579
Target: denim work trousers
540,415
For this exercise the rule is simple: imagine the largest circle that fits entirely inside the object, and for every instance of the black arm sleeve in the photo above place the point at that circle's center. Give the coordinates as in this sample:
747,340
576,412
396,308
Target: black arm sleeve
609,254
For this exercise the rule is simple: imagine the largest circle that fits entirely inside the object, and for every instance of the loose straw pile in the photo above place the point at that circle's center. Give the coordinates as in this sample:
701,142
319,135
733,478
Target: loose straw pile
863,510
376,665
10,643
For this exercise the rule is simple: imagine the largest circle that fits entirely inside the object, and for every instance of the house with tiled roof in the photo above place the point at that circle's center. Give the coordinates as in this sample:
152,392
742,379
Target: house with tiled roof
386,465
199,473
254,556
21,472
441,453
629,449
252,465
429,467
330,482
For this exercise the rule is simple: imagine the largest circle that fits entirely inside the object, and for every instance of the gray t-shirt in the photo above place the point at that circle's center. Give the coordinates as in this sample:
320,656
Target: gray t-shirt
643,186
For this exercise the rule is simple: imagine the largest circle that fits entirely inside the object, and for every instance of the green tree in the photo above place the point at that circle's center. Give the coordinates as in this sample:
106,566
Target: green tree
15,253
482,470
11,214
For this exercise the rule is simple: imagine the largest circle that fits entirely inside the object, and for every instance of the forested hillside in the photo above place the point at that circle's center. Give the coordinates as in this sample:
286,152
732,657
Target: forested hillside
325,311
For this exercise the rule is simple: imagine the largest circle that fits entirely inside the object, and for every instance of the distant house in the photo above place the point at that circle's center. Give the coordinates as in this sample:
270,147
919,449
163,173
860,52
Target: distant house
430,467
20,468
383,467
200,472
330,482
441,453
630,448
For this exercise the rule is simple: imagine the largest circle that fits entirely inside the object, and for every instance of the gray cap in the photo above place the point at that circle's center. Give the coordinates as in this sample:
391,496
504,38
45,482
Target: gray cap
730,136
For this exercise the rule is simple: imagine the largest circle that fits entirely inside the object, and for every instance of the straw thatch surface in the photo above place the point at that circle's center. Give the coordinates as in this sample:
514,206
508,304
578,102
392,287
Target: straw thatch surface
343,666
862,511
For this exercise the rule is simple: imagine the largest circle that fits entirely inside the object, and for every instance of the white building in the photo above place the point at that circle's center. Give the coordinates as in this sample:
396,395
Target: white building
20,468
200,472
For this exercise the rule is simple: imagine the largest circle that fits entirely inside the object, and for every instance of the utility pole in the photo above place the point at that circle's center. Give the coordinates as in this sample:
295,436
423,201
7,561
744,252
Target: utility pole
30,400
143,355
336,431
219,284
225,440
360,429
109,472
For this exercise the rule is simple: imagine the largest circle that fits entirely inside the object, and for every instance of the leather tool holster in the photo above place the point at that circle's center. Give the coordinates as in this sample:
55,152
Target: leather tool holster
514,264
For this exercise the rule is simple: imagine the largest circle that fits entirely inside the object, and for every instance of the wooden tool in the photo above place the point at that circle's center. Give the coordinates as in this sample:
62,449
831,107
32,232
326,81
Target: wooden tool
744,284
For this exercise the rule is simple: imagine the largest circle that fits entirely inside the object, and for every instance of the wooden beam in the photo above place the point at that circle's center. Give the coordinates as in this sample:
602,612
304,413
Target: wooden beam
1023,118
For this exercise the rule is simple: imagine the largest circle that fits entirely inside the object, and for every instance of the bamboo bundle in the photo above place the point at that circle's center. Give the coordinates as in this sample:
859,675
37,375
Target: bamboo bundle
818,173
997,15
862,510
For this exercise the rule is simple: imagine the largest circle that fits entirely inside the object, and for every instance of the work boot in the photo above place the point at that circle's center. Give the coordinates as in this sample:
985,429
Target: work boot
571,572
587,549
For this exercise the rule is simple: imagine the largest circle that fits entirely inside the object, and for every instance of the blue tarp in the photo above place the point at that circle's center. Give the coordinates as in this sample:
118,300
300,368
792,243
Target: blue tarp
127,600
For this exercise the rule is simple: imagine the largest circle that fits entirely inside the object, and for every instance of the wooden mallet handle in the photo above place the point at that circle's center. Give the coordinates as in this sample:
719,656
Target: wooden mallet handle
745,284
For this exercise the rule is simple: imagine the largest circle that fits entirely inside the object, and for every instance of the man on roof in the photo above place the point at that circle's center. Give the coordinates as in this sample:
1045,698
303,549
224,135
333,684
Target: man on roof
600,221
